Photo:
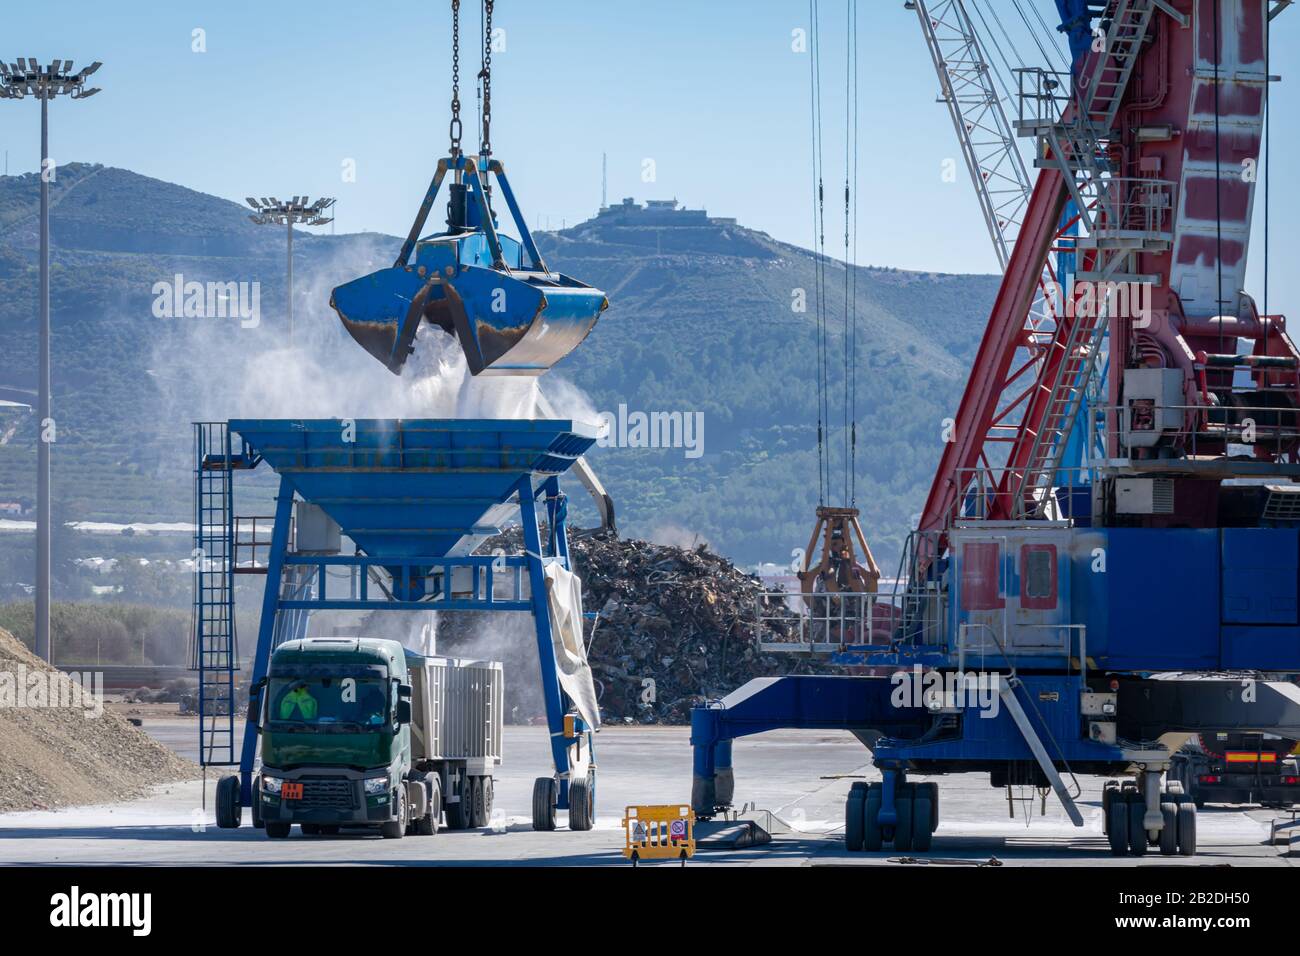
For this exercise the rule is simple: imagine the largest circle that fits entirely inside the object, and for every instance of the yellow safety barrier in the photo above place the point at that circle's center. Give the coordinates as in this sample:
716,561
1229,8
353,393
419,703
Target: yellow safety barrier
659,833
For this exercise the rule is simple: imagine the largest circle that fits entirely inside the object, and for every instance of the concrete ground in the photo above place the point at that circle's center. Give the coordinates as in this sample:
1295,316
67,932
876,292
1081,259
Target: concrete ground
800,777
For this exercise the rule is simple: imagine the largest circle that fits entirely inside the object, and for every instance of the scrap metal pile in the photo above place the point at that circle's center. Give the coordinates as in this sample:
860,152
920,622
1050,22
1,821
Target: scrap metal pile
666,628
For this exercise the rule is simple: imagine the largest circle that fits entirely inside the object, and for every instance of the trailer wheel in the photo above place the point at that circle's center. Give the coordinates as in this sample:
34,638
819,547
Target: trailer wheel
1137,832
460,815
903,804
582,805
489,796
1187,829
478,805
545,795
922,818
872,838
229,811
1117,823
1169,832
396,829
427,825
277,830
855,817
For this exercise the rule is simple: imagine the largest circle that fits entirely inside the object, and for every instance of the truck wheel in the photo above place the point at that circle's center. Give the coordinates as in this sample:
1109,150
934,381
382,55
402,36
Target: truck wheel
478,804
1187,829
903,829
1137,833
427,825
229,811
257,803
460,815
396,829
277,830
545,795
872,838
855,817
1117,824
582,805
489,797
1169,832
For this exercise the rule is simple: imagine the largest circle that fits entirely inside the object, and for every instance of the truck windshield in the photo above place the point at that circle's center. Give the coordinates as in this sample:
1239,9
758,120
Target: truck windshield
320,701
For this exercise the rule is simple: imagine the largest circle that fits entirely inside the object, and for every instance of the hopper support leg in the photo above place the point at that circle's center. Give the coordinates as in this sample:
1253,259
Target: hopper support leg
557,704
266,630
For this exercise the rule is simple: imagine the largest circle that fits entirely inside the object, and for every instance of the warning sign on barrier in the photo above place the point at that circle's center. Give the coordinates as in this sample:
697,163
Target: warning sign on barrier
659,833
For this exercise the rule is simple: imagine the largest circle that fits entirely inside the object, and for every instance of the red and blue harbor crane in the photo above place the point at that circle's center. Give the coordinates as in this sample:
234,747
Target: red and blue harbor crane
1049,626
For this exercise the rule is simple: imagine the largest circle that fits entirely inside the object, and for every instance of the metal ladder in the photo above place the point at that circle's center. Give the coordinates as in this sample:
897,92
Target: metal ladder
1079,153
1109,79
1081,348
214,651
917,598
1076,141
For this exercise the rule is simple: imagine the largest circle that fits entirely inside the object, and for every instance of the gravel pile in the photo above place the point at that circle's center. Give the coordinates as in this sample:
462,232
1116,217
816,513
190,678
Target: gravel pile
53,756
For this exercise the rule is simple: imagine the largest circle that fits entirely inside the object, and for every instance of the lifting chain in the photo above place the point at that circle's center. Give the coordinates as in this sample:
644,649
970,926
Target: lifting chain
454,128
486,76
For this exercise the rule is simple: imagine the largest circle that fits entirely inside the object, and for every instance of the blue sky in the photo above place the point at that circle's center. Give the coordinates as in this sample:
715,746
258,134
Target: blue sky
711,92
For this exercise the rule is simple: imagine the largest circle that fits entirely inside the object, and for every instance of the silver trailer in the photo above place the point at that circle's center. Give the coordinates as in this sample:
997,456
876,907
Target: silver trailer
457,712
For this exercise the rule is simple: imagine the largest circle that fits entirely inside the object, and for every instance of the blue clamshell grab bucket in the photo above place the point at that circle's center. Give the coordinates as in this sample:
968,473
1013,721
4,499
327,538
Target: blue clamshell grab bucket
470,282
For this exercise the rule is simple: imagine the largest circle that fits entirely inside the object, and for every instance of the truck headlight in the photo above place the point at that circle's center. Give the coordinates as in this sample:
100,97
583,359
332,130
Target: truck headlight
376,785
271,784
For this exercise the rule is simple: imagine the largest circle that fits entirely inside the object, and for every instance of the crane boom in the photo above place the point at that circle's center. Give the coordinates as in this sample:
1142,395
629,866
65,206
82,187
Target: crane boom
988,143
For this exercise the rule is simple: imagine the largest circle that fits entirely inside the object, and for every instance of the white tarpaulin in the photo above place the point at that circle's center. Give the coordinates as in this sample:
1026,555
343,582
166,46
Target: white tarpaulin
564,597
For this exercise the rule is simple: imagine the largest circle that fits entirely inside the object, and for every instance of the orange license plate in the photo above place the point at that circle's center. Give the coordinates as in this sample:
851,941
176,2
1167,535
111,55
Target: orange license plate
291,791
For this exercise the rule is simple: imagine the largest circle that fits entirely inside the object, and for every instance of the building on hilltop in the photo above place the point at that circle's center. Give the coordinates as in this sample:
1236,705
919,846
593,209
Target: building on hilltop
655,213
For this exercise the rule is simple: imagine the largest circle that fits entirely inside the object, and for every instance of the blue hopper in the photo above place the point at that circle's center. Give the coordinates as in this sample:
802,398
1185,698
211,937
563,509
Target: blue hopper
423,488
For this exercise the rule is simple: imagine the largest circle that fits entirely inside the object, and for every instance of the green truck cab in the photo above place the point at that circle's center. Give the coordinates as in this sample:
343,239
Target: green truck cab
361,732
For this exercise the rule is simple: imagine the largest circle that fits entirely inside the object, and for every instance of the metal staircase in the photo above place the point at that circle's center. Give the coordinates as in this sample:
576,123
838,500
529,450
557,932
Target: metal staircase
1113,67
1077,151
1073,119
214,651
1122,216
1074,369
